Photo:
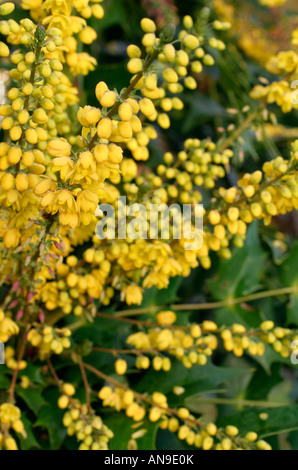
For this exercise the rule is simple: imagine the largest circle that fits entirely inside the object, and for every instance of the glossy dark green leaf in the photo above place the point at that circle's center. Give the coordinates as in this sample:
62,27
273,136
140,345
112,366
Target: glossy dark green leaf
240,275
50,422
281,419
33,398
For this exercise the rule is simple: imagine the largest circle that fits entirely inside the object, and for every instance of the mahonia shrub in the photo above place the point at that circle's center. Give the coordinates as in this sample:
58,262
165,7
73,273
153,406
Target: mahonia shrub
102,348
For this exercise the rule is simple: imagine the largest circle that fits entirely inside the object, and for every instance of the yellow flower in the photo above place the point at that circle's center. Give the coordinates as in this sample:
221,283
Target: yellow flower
80,63
87,35
88,116
133,295
59,148
166,318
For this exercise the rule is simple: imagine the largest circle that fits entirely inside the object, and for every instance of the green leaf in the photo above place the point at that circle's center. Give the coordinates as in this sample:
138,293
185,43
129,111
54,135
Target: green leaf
261,383
117,15
200,107
4,380
154,296
194,380
123,428
33,398
50,419
279,420
270,357
240,275
289,276
292,310
289,272
34,373
166,440
28,442
237,314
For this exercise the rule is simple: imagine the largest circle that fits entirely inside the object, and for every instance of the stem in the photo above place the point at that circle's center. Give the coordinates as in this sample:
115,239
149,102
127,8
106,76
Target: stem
55,376
202,306
26,101
21,344
242,127
238,403
16,371
139,396
86,384
126,351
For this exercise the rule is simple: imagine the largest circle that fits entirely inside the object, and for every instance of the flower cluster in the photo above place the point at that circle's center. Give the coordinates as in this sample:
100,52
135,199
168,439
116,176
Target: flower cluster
10,421
199,434
57,165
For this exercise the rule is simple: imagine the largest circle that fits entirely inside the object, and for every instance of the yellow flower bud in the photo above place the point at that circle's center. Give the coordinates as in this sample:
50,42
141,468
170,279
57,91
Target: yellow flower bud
31,136
101,153
148,26
87,35
43,186
14,155
233,213
10,443
267,325
108,99
115,153
170,75
211,429
15,133
22,182
68,389
251,436
63,402
97,11
207,443
88,116
56,65
59,148
39,116
169,52
134,52
6,110
190,41
231,431
157,363
183,413
45,70
7,182
104,128
120,366
105,392
23,117
125,111
6,8
166,318
124,129
135,65
101,87
214,217
28,158
18,426
133,295
147,107
209,325
4,50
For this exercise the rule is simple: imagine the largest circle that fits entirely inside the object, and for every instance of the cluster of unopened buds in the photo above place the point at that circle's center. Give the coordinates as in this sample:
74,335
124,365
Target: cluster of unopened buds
57,165
180,421
193,344
49,339
10,420
82,422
